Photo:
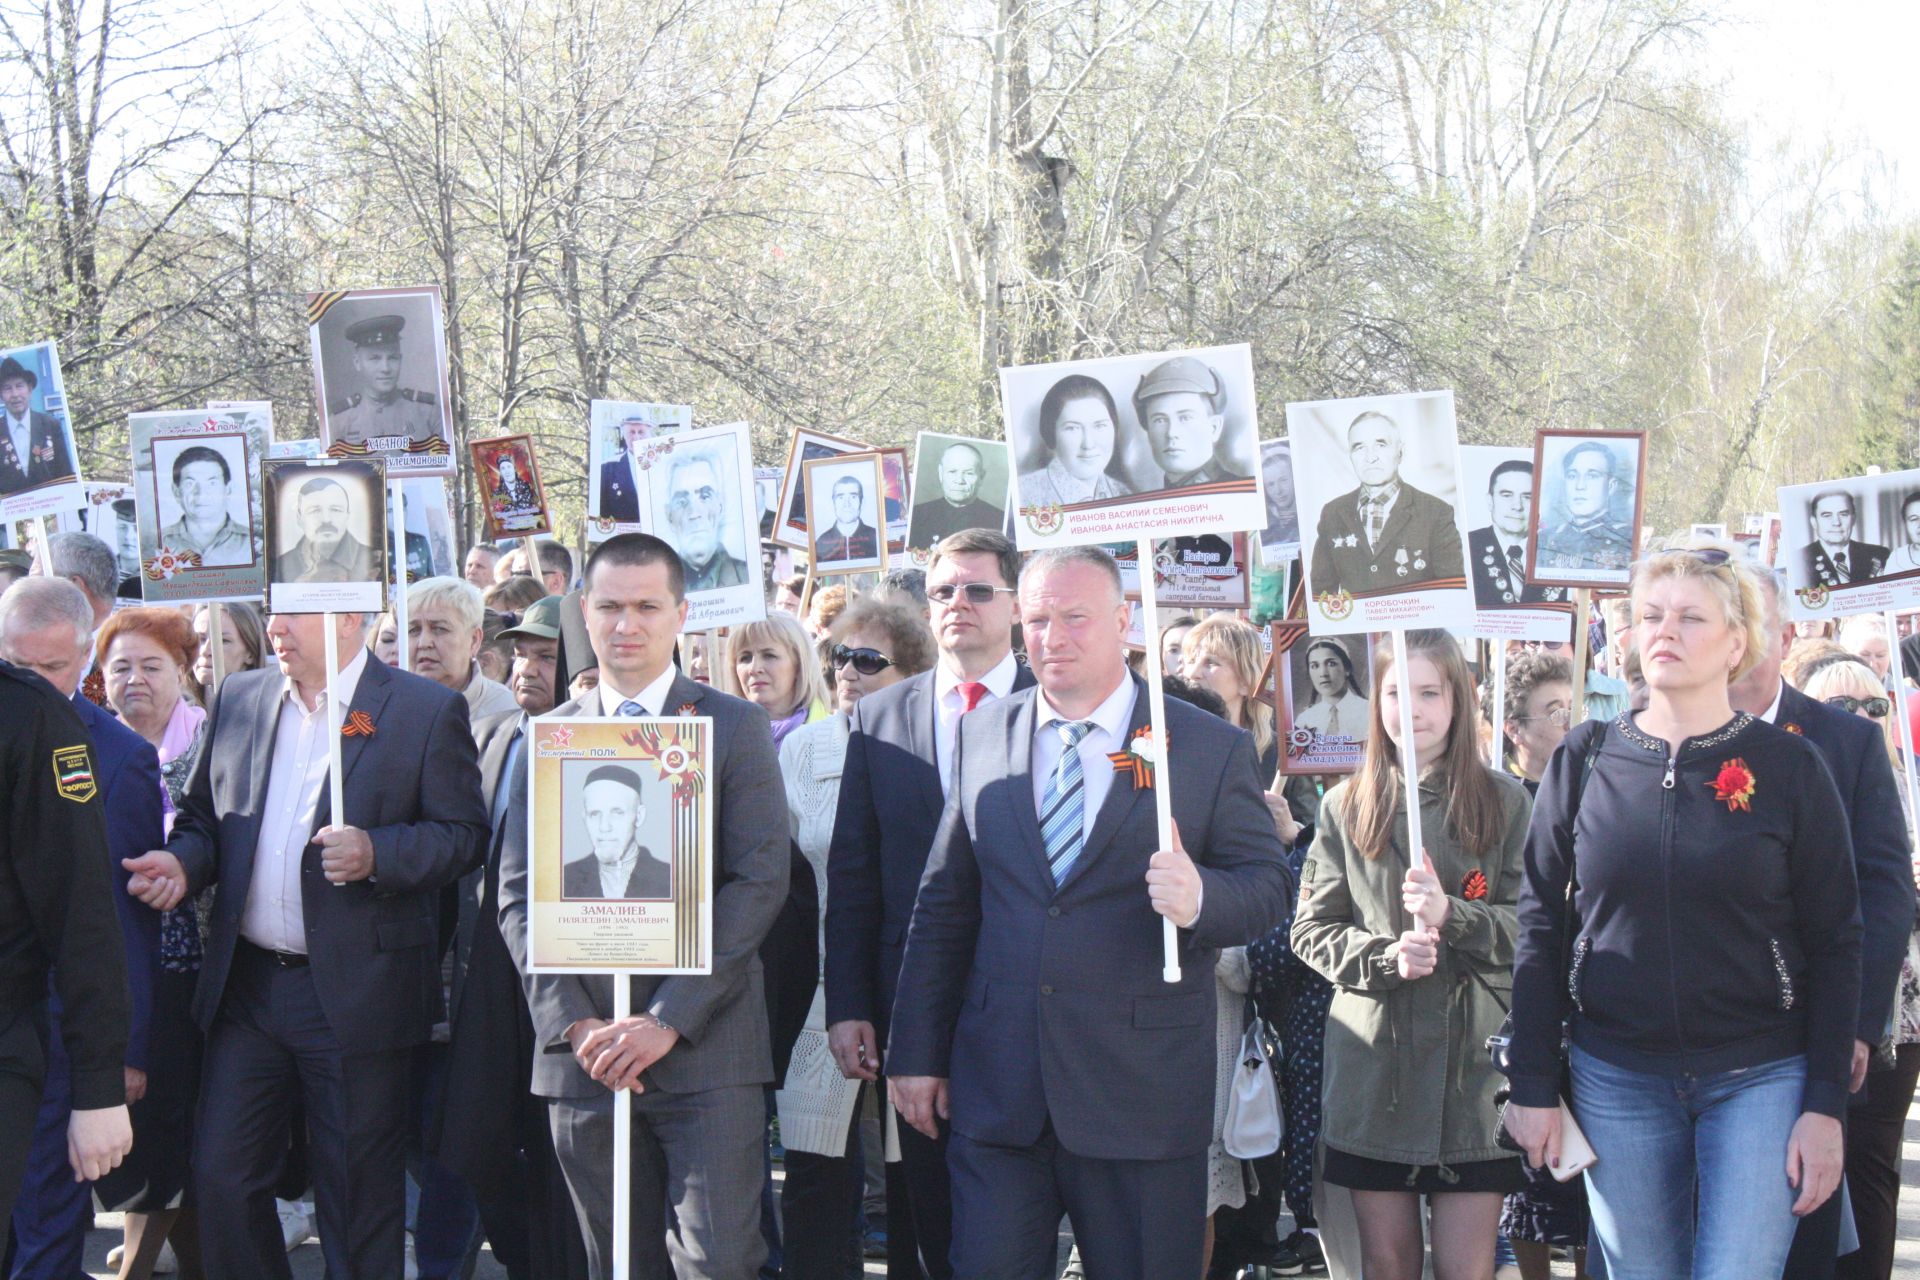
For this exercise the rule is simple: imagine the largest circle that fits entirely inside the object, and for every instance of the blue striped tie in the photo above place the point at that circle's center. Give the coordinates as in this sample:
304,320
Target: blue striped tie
1063,805
631,708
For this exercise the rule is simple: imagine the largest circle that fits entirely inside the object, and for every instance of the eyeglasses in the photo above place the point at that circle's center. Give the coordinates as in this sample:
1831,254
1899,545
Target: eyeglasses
1705,555
868,662
976,592
1878,708
1559,716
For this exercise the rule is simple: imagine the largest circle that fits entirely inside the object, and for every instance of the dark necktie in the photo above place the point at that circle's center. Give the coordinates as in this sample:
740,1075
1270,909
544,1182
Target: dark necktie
1516,567
1840,563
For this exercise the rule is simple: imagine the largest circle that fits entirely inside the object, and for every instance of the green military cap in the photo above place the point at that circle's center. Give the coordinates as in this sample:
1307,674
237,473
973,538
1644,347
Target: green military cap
1182,373
541,621
376,331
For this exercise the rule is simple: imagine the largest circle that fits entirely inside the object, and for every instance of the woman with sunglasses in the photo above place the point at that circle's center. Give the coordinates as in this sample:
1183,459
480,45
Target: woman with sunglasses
1707,969
875,644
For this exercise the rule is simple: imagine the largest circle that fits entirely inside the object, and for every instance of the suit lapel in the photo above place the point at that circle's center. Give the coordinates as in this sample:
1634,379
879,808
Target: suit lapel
263,731
1019,756
1121,797
495,757
376,680
922,714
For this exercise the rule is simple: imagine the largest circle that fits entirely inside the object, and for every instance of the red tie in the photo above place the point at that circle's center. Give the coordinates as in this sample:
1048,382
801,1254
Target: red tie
971,691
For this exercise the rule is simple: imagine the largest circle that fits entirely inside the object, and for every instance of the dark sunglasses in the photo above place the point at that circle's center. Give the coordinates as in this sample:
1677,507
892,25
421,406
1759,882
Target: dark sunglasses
868,662
976,592
1705,555
1875,707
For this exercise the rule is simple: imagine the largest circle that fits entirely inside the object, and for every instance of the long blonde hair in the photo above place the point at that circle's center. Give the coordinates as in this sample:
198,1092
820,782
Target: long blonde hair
1237,643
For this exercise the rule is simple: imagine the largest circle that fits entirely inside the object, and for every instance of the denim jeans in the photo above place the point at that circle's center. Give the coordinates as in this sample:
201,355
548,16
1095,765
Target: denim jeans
1666,1143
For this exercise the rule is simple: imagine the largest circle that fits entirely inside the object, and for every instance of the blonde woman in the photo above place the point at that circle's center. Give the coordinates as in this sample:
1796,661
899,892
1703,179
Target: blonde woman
1224,653
773,663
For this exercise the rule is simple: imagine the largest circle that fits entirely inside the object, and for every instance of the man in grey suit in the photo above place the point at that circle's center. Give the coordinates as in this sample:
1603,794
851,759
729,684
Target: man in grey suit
1031,1007
697,1052
320,974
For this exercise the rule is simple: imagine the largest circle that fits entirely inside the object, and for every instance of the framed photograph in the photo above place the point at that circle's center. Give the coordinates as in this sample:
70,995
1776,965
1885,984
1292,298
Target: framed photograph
1322,711
1209,571
513,503
843,514
699,497
618,432
1496,519
111,514
1750,548
893,468
1280,540
620,872
1770,540
1588,490
1377,480
766,498
1132,447
198,478
958,483
39,466
1852,546
430,544
380,378
1718,532
326,535
806,446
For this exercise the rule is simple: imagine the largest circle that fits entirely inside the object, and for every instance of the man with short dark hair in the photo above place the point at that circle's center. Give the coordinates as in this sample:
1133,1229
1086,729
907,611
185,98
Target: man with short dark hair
203,486
849,537
382,409
556,566
1835,558
1498,552
33,444
1181,404
1590,538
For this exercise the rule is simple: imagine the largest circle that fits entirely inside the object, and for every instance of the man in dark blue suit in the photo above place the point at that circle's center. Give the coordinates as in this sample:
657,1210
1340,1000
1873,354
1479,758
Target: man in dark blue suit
1031,1007
899,752
48,623
1856,756
321,971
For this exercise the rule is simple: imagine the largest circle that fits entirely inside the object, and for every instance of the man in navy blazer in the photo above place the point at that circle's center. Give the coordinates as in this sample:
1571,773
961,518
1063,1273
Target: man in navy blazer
1032,1008
900,747
1856,756
47,629
321,973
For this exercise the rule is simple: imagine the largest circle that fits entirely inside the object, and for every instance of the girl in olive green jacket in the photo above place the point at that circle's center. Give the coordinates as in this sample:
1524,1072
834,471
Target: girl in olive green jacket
1416,948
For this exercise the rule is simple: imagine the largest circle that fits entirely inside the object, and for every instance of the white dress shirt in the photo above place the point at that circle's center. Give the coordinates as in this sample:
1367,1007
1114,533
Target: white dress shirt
1111,720
947,701
652,700
22,435
1772,713
297,775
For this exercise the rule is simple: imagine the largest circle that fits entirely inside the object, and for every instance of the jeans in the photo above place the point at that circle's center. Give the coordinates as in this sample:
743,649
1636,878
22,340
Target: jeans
1667,1143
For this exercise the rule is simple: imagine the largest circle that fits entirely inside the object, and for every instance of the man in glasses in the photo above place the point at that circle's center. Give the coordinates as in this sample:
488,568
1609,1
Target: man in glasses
696,515
900,752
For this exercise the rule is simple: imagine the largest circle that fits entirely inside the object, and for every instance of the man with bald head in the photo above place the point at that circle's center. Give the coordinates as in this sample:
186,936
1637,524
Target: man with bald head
1385,535
956,504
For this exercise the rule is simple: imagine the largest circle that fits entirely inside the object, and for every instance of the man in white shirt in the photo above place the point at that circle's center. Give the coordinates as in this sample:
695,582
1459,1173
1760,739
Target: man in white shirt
33,446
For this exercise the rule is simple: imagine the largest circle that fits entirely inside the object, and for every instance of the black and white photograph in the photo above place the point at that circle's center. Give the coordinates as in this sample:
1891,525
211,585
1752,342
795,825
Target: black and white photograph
621,825
1496,517
39,466
1851,546
805,446
197,474
1322,708
699,498
1203,571
326,535
843,514
1588,487
429,531
380,377
618,432
766,498
1716,532
1377,480
1280,539
958,483
1133,446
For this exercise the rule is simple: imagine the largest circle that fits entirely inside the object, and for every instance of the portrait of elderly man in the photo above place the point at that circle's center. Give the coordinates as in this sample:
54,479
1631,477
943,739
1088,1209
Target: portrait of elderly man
1498,552
326,551
1182,404
696,523
956,503
1386,534
1590,537
381,408
620,480
203,486
33,444
1834,557
849,537
620,866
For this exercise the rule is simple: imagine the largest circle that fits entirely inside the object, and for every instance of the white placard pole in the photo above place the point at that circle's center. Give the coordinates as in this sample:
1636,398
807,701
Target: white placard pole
41,550
622,1144
1897,716
1162,765
335,784
1409,761
216,638
400,654
1498,650
1582,602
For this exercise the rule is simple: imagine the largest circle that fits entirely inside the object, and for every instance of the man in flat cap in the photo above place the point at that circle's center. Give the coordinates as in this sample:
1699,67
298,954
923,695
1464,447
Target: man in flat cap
696,521
957,505
1386,534
1589,538
33,445
326,552
620,866
1182,404
620,479
203,486
382,408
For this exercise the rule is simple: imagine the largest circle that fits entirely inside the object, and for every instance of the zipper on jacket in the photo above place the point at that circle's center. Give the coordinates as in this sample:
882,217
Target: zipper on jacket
1780,973
1667,781
1667,804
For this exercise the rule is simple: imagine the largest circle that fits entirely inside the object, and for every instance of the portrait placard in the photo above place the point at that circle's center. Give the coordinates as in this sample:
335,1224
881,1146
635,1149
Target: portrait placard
620,845
1496,519
1716,532
1851,546
766,498
1750,548
380,377
806,446
1210,571
111,514
617,432
326,535
1770,536
1322,711
1280,540
843,497
39,466
1377,480
513,503
1131,447
198,477
894,489
430,543
959,483
698,497
1588,491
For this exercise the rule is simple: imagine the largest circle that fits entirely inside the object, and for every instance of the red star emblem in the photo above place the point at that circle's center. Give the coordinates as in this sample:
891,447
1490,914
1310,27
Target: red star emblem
560,739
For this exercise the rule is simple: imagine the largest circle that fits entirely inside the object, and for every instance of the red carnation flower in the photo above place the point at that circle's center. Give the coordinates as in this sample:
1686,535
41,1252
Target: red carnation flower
1734,785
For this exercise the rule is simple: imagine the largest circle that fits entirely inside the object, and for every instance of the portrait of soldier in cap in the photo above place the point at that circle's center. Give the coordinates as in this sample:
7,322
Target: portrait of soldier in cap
1386,534
381,408
202,485
619,866
1590,537
697,519
1181,404
326,551
954,500
33,443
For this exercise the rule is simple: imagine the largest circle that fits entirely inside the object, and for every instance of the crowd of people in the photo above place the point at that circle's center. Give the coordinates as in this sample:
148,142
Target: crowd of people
1675,892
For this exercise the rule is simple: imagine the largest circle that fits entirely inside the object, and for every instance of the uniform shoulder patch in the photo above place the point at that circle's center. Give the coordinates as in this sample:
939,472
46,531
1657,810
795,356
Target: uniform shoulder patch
73,774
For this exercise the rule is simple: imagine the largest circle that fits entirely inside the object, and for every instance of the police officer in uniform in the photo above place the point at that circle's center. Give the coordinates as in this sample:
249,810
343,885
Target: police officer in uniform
1589,538
56,913
382,407
1385,535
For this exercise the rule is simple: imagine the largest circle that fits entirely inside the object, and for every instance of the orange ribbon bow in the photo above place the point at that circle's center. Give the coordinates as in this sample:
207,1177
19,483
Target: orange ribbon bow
359,725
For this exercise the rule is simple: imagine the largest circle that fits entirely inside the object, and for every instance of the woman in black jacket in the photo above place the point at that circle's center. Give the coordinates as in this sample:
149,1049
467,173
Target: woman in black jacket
1714,956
